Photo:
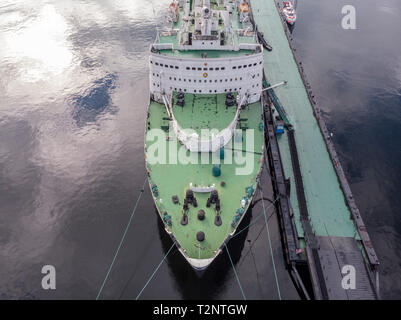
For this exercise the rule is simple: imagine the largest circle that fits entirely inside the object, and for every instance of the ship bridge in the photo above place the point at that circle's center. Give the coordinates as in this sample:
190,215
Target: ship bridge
211,48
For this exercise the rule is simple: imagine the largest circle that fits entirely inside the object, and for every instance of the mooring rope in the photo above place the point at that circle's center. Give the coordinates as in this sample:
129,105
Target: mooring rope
121,241
270,244
254,219
154,272
236,275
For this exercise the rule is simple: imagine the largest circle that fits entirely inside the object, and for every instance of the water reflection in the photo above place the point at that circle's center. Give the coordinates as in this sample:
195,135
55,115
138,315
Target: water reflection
94,101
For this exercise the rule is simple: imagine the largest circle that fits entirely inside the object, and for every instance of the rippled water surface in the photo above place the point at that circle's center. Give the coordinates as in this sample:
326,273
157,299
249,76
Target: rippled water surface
73,93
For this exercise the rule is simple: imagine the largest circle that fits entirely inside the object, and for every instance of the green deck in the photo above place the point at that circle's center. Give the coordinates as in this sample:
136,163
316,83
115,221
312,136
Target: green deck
235,24
325,200
174,179
204,111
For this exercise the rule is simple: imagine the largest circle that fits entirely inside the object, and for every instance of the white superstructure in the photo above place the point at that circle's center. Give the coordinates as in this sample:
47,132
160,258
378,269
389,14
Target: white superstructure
208,50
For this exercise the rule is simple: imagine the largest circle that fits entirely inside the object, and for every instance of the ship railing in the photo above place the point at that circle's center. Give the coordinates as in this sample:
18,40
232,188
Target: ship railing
193,143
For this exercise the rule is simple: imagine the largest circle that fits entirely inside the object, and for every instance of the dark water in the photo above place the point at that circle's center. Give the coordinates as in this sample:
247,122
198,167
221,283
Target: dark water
73,92
356,78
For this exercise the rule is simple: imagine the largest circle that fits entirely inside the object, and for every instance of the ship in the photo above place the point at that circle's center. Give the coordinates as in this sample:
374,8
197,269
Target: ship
289,12
204,139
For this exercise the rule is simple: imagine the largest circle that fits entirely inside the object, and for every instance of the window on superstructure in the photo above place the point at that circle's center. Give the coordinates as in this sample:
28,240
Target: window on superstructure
176,67
161,65
255,64
223,68
156,63
193,68
199,69
204,69
239,67
188,68
217,69
211,69
234,67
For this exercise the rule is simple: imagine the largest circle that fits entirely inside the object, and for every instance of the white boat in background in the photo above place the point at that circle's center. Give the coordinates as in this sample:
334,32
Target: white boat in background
289,12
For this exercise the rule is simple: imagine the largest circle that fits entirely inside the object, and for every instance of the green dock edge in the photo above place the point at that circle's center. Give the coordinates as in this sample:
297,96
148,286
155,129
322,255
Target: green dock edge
328,210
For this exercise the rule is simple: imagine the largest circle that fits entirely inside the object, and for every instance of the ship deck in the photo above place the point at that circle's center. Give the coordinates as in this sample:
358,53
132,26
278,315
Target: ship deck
174,178
204,111
233,41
